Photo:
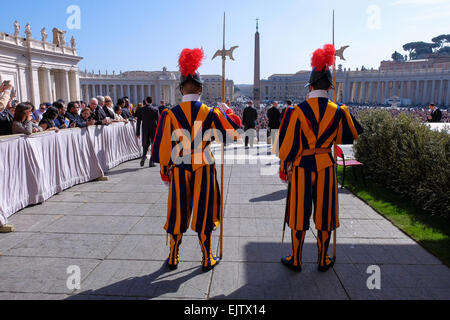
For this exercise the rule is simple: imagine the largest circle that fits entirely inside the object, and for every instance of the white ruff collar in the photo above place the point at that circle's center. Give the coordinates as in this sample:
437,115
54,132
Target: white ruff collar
191,97
317,94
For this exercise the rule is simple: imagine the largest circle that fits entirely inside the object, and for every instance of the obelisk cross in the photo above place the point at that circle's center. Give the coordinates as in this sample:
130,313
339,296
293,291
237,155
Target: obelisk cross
224,54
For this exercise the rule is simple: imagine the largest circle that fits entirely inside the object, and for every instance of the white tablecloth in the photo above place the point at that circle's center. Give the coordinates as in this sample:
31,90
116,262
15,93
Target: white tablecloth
33,169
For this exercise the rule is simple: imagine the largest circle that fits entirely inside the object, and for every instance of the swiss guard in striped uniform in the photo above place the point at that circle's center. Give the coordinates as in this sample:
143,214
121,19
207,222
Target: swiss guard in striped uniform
187,165
306,137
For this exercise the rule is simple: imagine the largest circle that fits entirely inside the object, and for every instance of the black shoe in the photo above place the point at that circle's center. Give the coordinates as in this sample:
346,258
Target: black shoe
290,264
328,266
142,163
212,266
152,165
171,266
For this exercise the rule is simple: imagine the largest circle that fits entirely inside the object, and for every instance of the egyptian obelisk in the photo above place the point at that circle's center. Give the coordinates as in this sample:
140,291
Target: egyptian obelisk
257,80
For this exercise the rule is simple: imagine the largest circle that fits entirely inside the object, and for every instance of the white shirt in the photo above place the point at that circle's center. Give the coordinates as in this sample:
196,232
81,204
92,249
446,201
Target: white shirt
318,94
191,97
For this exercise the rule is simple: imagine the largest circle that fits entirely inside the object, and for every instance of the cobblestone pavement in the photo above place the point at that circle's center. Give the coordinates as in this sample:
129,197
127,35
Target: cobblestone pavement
113,233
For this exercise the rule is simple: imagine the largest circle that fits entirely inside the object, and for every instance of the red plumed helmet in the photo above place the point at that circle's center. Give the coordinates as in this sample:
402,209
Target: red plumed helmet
190,61
324,58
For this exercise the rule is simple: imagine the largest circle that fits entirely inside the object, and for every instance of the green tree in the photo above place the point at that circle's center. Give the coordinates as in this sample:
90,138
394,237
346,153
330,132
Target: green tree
398,57
419,49
442,40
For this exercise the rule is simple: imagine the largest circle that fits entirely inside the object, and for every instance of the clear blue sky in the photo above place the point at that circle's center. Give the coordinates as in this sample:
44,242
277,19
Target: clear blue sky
149,34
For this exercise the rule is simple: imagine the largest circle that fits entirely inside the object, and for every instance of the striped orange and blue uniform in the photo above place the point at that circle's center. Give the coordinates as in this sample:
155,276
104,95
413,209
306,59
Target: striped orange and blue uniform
182,143
315,124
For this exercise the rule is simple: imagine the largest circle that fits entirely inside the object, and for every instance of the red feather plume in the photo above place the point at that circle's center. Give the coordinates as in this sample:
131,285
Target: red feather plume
190,61
324,58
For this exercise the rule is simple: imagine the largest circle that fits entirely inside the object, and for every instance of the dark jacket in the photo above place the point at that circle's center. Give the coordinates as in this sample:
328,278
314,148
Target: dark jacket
436,116
148,117
108,113
274,116
249,118
99,116
6,119
161,110
126,114
80,123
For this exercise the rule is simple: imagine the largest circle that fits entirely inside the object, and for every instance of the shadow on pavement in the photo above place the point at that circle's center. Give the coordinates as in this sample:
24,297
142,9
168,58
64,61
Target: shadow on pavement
149,286
124,171
402,276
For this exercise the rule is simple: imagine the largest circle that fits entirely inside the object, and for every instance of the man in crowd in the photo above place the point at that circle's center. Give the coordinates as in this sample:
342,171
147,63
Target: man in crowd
61,122
98,113
75,119
250,118
436,114
288,105
40,112
162,107
148,117
274,116
126,108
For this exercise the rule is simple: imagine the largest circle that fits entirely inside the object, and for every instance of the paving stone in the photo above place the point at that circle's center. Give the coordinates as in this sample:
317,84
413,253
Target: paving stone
65,246
114,231
117,209
40,275
94,225
10,240
150,226
146,279
50,208
33,223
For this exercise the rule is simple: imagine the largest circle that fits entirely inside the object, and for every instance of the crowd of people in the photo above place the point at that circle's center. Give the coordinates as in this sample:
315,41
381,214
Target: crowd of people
430,114
23,118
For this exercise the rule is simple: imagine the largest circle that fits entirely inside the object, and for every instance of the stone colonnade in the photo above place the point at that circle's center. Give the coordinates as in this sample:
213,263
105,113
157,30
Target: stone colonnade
375,89
136,91
52,84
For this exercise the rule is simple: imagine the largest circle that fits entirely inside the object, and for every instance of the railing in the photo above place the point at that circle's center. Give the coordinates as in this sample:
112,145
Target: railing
34,168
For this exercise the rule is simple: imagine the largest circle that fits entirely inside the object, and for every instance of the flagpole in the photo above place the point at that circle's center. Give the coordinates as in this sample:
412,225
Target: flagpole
335,151
223,147
224,54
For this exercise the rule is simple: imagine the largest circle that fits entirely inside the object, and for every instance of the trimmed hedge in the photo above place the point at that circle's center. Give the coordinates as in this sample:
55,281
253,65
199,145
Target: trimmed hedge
405,156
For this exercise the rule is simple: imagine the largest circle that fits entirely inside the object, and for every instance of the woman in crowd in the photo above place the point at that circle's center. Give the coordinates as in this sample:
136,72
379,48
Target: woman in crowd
109,109
118,112
139,106
86,114
22,122
48,120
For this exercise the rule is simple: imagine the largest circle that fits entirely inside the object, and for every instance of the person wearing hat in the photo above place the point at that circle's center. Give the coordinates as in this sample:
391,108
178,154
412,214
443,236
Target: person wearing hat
181,147
307,134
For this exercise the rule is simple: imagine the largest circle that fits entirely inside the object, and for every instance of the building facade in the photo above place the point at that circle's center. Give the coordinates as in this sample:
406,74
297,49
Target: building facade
416,82
212,89
137,85
160,85
40,71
